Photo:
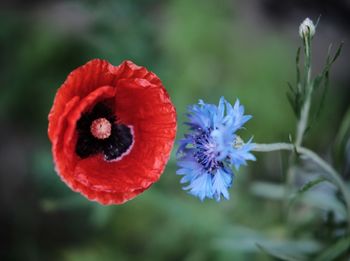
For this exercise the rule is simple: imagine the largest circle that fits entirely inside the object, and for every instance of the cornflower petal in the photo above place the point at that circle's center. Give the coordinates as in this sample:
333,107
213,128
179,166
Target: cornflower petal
222,180
201,186
208,152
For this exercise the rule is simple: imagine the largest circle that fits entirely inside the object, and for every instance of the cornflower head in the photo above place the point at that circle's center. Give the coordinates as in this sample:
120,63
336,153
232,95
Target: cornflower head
208,151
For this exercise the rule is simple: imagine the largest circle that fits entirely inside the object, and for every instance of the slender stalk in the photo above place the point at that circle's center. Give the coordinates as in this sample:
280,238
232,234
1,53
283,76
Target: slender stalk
261,147
333,176
302,123
308,88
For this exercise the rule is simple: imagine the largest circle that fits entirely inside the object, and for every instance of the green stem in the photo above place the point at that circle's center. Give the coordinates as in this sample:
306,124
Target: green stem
303,121
333,176
308,88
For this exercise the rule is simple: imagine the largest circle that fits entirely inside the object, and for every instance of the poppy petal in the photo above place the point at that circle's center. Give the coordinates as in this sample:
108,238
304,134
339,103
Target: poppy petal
139,102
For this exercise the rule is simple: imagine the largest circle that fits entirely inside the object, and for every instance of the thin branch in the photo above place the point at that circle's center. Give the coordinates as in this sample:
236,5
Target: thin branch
333,176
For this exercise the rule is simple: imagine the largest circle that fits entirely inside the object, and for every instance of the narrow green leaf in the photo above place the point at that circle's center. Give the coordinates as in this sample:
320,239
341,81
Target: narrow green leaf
324,94
291,88
291,101
329,54
341,139
294,103
310,185
323,77
318,21
337,52
335,250
294,98
318,80
297,59
307,186
330,61
279,255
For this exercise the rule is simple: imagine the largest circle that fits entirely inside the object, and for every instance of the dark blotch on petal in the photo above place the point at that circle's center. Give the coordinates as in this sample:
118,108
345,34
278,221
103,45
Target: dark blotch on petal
102,111
113,147
118,143
87,145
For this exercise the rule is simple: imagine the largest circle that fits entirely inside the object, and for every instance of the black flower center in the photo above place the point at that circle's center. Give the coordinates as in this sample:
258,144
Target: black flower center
98,132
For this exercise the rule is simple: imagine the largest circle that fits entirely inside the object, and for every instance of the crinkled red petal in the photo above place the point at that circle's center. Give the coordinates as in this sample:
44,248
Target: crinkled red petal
141,102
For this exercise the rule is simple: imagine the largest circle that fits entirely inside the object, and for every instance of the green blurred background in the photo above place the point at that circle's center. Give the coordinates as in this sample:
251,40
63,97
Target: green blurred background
200,50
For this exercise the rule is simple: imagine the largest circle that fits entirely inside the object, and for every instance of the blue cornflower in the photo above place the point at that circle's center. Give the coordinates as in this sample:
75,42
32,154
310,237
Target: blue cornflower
207,153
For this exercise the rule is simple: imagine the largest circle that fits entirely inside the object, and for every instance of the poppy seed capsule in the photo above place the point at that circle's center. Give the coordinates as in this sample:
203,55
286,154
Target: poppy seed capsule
101,128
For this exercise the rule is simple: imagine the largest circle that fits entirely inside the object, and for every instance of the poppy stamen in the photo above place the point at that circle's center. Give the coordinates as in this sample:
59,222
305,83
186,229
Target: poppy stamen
101,128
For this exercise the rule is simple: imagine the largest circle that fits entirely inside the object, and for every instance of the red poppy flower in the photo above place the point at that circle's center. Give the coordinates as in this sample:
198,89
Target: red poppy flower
112,129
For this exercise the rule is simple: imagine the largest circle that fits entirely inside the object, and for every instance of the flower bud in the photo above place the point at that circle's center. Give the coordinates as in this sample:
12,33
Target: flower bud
306,28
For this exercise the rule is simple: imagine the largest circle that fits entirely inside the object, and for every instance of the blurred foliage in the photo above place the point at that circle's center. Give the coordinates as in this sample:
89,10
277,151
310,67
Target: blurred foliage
202,51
